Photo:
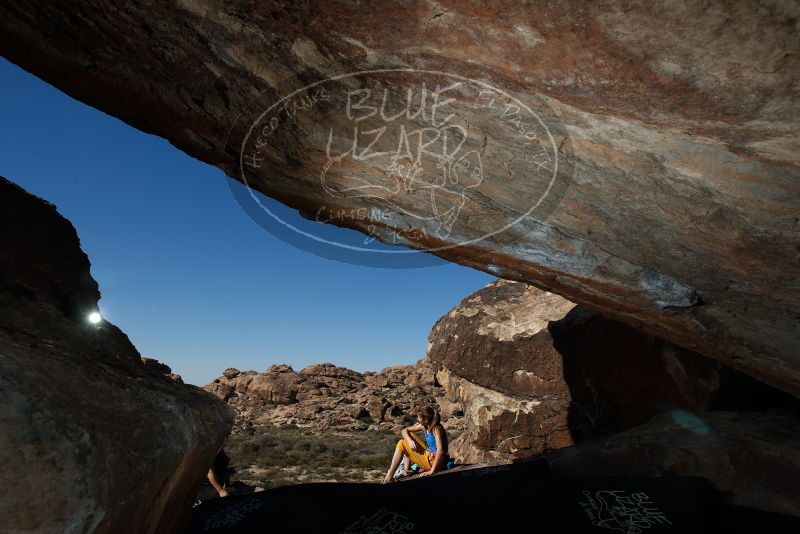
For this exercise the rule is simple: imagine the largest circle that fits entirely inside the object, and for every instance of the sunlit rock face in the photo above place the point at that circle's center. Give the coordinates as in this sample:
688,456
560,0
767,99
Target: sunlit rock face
534,372
92,438
328,397
640,160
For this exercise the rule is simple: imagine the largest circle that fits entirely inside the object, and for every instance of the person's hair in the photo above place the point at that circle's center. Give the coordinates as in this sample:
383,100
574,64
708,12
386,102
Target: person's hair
430,417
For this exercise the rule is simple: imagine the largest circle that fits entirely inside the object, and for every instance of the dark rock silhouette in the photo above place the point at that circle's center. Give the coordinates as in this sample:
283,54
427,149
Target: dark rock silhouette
752,458
161,369
92,439
504,498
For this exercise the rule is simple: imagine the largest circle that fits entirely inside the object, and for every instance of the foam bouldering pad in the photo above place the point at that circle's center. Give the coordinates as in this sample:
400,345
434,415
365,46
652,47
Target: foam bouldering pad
507,498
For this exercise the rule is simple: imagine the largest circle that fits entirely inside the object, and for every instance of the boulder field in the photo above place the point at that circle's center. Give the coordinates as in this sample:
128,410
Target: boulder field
328,397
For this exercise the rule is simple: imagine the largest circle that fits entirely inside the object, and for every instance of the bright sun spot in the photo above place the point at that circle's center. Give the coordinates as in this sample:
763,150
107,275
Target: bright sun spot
95,317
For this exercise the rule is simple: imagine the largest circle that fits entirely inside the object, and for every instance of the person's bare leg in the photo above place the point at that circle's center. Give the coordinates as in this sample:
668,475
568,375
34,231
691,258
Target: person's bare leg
398,456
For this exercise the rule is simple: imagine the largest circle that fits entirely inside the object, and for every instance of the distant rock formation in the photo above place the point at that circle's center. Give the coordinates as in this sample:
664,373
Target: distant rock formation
92,437
327,397
535,372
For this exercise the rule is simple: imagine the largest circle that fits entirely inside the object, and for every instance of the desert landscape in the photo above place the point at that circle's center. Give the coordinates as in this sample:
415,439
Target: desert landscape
624,175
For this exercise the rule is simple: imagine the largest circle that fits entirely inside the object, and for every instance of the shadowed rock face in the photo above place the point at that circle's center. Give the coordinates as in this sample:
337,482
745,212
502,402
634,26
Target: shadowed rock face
752,458
92,439
534,372
675,204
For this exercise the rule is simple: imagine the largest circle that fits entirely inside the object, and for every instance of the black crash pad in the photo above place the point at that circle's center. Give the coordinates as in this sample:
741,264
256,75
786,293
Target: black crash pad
519,497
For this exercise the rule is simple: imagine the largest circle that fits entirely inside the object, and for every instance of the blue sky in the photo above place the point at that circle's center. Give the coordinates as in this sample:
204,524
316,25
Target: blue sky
183,270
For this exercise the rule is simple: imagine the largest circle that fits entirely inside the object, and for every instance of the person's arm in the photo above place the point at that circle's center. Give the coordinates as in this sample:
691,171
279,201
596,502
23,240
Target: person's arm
438,461
217,486
406,433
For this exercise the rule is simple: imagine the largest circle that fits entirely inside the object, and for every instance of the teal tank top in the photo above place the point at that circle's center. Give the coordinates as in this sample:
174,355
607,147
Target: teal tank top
430,439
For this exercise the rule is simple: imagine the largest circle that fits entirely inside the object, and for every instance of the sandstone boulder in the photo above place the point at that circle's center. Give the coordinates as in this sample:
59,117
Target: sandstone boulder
222,391
231,373
376,407
279,388
330,371
279,368
648,169
92,438
535,372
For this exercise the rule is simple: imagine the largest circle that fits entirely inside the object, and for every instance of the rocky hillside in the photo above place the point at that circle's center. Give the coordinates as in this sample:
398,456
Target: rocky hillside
324,423
327,397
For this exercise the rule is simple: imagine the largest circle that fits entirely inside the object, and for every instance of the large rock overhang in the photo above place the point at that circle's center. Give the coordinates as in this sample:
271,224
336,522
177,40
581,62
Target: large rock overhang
676,205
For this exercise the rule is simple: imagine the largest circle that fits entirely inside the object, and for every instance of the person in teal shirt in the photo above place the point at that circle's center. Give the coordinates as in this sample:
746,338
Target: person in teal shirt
430,455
